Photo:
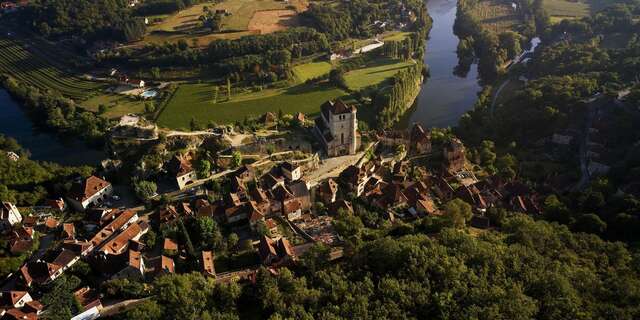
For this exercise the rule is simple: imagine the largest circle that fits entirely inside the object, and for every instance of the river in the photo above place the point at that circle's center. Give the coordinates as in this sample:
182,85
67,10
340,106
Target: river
444,97
43,145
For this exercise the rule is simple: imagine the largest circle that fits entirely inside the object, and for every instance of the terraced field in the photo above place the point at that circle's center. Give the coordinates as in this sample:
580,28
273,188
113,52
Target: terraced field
31,69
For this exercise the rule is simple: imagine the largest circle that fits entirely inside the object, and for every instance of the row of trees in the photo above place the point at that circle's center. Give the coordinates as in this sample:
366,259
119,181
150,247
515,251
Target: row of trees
392,102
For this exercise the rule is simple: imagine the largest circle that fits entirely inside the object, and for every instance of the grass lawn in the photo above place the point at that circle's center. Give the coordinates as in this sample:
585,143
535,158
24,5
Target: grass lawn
374,73
195,101
311,70
118,105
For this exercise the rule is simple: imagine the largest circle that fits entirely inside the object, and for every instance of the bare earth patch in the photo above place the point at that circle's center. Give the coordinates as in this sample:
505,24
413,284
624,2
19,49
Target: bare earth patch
269,21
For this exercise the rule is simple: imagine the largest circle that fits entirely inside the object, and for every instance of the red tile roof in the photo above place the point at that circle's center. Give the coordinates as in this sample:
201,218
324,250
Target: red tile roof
207,263
87,188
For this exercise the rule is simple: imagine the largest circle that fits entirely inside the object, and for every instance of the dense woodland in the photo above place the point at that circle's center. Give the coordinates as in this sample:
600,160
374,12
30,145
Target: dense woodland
530,270
593,57
490,49
28,182
90,20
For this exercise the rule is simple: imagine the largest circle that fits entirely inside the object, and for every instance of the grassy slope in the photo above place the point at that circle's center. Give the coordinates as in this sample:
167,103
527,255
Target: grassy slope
195,101
375,73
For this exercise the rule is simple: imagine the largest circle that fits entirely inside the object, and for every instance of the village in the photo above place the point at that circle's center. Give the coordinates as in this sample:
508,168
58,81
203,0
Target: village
266,215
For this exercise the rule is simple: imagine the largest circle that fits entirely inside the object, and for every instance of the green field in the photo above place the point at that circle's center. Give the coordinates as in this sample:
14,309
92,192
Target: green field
311,70
117,105
196,101
569,9
31,69
374,73
396,36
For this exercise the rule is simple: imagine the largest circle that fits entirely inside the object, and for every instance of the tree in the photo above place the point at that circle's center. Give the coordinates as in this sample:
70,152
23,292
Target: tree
228,89
149,239
155,73
59,300
262,230
590,223
148,310
458,212
336,77
145,190
216,92
204,168
232,240
237,159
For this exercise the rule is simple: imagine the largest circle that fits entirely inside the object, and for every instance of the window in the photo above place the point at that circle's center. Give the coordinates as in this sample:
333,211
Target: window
342,138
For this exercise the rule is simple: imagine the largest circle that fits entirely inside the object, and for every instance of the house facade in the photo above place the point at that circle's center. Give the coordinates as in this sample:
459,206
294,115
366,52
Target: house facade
9,216
91,191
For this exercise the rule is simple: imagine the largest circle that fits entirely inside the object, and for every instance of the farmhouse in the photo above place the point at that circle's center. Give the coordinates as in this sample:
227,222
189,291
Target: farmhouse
90,191
337,128
182,169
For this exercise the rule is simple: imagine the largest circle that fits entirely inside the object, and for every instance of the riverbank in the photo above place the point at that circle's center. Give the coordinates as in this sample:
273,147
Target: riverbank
445,96
43,145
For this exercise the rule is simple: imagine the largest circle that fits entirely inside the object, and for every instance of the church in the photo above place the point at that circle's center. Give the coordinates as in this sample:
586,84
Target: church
337,128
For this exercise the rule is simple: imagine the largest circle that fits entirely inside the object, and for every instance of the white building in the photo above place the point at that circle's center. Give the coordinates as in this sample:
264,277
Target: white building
91,191
337,128
9,215
182,168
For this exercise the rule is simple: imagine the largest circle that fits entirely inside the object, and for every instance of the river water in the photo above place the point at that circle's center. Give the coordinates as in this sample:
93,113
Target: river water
444,97
45,146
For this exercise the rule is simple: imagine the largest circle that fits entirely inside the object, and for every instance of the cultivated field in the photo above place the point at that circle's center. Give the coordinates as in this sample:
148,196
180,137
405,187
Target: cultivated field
495,15
374,73
244,17
196,101
23,65
311,70
568,9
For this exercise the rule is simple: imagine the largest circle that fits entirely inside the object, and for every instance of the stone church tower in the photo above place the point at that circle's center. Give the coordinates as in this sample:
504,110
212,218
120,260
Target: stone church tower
337,128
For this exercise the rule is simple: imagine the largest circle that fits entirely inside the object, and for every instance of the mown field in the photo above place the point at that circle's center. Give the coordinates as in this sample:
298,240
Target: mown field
31,69
311,70
374,73
196,101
